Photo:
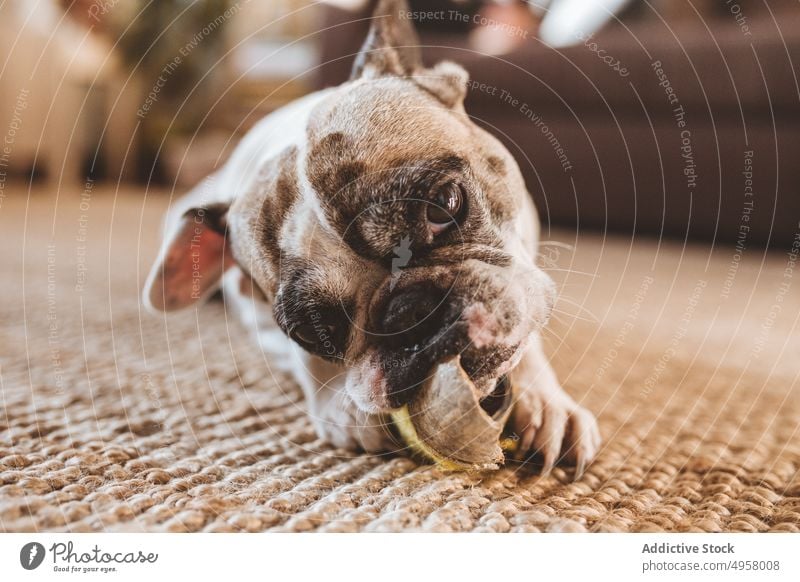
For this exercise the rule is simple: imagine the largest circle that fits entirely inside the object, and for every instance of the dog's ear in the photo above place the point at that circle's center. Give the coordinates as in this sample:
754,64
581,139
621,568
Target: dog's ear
192,261
392,45
392,48
446,80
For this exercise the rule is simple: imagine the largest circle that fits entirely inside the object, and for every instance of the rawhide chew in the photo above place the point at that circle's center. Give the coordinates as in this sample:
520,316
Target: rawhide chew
446,423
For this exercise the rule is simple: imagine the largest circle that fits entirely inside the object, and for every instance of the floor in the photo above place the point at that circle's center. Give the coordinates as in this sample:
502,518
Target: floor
114,419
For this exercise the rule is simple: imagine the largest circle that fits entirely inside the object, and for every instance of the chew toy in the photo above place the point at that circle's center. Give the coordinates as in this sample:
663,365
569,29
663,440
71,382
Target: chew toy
446,423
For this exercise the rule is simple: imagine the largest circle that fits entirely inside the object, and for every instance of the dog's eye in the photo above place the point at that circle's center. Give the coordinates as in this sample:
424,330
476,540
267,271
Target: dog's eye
305,334
446,207
311,335
319,339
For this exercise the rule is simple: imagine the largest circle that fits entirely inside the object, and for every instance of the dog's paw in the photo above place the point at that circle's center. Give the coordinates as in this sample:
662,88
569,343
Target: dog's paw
550,423
343,425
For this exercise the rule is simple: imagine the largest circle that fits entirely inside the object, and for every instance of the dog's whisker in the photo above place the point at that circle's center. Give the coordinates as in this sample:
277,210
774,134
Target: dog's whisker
566,322
581,307
553,333
572,272
556,243
572,315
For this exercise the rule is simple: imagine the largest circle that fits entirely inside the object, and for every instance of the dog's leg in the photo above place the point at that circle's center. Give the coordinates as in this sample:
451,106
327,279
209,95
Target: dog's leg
334,415
546,418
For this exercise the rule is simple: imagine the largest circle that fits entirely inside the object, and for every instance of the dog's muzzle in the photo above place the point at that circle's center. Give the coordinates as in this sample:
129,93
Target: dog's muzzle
420,326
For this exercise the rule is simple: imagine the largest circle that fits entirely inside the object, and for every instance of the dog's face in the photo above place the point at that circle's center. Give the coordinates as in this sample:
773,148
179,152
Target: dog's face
397,234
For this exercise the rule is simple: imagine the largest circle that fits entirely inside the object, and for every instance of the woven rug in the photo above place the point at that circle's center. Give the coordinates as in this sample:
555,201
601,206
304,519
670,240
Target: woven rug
116,420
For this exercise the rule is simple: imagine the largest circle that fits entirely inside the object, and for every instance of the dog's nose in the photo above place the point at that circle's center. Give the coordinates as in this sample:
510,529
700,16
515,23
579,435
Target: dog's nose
412,316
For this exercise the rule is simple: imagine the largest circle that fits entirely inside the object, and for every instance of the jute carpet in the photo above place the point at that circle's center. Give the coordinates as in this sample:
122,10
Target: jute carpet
113,419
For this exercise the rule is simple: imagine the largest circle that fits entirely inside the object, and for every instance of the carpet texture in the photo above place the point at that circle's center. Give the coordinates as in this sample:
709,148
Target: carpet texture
116,420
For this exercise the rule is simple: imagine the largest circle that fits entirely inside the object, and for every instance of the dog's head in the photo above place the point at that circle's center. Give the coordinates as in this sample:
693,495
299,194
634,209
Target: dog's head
393,235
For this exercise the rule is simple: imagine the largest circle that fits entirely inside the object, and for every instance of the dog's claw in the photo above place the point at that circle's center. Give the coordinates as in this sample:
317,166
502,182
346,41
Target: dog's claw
580,468
550,451
525,442
547,468
563,427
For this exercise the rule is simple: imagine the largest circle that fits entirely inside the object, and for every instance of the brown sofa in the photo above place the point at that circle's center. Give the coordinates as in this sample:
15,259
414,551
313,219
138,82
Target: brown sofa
601,137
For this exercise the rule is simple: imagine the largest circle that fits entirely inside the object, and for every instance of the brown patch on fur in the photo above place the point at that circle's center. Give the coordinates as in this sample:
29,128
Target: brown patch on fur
496,165
332,166
276,207
259,216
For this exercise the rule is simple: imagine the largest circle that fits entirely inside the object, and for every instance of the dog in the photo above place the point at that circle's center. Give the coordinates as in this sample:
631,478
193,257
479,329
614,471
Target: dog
365,233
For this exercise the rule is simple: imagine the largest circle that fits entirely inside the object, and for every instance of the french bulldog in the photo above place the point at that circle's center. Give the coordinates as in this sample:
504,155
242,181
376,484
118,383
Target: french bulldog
365,233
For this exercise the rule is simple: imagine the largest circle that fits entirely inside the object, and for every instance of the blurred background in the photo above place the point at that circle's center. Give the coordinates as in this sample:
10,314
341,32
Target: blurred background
671,118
